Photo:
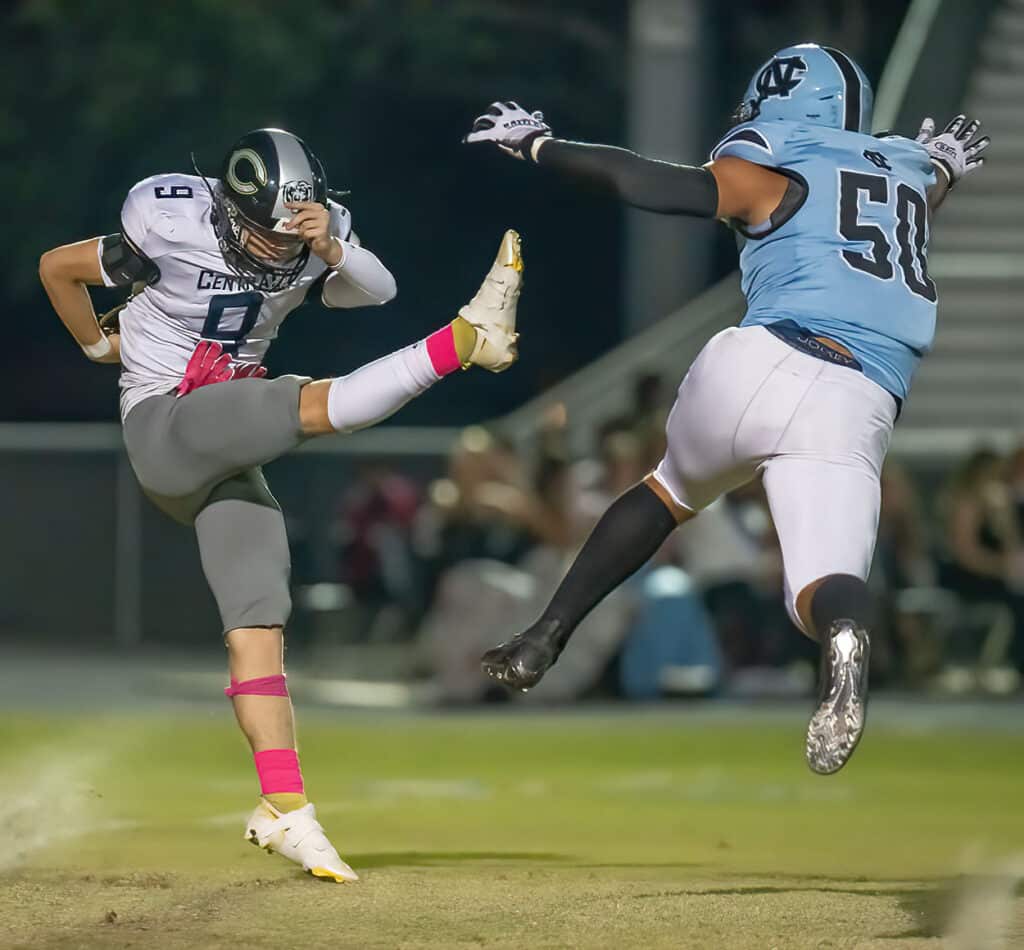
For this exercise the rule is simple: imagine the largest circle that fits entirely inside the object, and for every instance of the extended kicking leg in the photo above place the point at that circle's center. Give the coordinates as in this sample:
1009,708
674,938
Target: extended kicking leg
484,334
627,535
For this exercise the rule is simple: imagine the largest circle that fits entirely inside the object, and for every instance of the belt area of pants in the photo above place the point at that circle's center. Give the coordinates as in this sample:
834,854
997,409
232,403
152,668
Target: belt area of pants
820,347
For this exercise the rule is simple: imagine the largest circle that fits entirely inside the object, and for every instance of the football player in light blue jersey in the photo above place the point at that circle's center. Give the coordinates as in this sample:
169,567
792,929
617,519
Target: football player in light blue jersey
851,265
833,224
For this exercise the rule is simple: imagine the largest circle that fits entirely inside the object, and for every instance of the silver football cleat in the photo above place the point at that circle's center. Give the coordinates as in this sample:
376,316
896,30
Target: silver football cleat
838,722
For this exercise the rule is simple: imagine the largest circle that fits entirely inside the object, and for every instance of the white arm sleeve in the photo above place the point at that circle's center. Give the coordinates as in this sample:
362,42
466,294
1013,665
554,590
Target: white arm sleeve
360,280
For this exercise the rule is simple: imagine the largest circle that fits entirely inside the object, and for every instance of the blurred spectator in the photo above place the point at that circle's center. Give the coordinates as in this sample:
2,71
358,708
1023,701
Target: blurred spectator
904,575
477,511
903,552
486,588
732,553
1015,477
618,467
986,557
645,420
373,536
542,512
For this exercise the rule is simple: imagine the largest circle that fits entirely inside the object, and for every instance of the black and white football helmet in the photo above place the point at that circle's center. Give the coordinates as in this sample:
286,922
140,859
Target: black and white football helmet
262,171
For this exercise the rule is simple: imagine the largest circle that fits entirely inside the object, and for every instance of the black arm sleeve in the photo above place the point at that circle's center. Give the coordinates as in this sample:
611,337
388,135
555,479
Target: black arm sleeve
125,264
641,182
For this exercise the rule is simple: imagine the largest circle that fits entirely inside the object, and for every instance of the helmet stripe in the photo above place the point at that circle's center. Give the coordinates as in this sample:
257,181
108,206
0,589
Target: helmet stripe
851,79
291,157
293,165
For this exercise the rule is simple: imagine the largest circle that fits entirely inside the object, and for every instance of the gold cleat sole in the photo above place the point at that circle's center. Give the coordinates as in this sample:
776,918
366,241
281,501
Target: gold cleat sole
326,875
510,254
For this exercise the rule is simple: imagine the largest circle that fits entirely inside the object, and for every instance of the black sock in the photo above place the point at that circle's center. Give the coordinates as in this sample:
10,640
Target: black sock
842,597
629,532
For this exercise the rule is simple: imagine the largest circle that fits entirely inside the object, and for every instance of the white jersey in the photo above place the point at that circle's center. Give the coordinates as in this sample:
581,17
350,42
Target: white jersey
197,296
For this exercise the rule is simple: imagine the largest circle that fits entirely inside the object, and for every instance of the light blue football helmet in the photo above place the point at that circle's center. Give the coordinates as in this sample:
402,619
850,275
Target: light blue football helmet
810,83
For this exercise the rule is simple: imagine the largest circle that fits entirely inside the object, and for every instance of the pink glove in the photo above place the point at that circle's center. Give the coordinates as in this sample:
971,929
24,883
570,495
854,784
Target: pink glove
245,370
210,364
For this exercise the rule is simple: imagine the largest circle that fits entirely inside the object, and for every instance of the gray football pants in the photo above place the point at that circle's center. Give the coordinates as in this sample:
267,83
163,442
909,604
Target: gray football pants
198,459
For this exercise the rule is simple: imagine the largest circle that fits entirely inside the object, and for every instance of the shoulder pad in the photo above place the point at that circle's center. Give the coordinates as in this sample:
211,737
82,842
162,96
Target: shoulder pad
751,141
122,265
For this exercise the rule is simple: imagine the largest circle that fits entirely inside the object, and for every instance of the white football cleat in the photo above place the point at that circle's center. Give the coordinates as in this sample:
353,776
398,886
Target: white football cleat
298,836
492,312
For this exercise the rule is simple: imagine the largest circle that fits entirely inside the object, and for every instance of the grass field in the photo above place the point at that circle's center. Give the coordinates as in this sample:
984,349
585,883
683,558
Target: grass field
645,830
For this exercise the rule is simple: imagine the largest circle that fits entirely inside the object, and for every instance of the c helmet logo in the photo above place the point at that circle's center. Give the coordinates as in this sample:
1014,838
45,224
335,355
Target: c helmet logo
297,191
259,170
781,76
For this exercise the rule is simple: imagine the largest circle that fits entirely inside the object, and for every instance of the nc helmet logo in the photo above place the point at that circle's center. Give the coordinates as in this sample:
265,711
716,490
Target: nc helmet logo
297,190
781,76
246,185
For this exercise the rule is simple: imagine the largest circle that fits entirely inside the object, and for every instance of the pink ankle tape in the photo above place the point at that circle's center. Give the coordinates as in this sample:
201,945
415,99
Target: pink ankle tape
441,350
264,686
279,771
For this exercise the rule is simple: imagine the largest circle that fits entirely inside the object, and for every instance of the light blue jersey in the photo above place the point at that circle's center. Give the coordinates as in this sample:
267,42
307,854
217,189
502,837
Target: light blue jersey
849,263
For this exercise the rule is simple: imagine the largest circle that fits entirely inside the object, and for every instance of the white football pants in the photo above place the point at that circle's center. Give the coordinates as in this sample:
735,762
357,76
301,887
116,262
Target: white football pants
818,432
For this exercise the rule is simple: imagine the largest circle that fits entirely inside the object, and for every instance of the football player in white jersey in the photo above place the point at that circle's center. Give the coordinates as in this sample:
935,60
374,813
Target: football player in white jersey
221,264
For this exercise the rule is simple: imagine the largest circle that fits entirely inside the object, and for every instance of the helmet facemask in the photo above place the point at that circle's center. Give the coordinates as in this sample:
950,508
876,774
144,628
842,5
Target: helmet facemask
232,229
746,111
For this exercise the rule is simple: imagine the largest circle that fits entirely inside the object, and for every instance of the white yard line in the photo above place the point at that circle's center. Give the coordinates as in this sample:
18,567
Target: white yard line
49,797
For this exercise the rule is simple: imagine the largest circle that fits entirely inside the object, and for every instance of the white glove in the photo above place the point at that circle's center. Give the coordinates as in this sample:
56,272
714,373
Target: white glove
510,127
953,150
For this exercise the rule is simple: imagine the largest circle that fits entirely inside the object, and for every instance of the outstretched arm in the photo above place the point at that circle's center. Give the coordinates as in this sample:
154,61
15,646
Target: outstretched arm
730,188
662,187
67,272
956,152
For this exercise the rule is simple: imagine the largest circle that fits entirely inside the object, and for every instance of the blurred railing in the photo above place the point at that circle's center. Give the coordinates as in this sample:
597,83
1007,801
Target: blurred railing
930,62
86,558
972,378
